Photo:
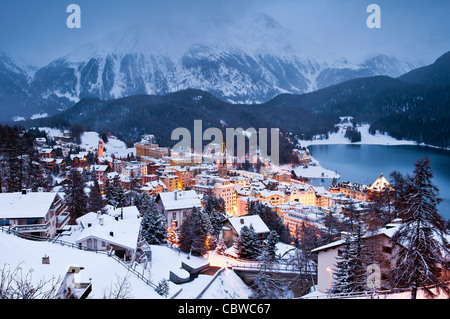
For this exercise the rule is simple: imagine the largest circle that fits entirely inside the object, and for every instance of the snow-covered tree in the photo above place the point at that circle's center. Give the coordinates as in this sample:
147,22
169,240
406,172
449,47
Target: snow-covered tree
265,283
349,271
221,247
215,209
194,232
248,244
342,276
95,199
153,225
421,260
271,244
163,288
76,199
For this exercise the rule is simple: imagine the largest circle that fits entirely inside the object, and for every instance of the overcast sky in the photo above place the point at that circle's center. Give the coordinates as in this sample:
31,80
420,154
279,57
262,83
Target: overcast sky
36,31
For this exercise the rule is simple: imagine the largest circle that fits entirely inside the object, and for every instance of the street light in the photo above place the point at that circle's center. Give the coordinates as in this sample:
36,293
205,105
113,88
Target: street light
330,270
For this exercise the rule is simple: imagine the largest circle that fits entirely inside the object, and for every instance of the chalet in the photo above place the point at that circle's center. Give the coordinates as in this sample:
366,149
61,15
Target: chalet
283,177
46,153
118,231
35,213
232,227
100,172
176,205
327,256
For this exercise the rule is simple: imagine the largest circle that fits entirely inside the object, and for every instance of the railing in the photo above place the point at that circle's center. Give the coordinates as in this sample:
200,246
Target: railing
32,227
9,230
274,267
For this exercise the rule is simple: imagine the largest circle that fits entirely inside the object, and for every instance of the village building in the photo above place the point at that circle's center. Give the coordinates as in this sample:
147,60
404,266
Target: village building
232,228
176,205
35,213
302,193
327,256
154,187
116,231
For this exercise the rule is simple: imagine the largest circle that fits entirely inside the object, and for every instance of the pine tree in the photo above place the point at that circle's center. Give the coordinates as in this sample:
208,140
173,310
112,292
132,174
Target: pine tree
221,247
342,276
153,225
195,232
421,260
76,199
265,284
215,209
271,244
95,200
248,245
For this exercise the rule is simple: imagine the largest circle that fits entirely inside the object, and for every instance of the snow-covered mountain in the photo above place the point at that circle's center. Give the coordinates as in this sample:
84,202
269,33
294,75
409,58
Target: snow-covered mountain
238,61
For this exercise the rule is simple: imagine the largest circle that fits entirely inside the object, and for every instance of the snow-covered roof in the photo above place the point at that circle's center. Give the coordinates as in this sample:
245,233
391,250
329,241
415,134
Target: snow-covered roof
389,230
100,168
180,200
380,184
149,186
30,205
254,220
124,231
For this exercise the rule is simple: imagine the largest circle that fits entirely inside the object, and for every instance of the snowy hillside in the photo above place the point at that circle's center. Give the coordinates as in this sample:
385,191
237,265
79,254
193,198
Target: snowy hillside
105,272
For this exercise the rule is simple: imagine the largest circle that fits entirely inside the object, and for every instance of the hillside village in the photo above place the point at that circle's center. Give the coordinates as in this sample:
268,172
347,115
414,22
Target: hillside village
142,206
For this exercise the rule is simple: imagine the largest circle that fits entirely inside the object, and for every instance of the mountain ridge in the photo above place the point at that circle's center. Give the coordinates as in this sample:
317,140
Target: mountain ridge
246,62
404,110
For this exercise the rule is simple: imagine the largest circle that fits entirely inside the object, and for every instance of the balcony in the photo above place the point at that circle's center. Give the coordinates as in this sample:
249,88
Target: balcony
30,228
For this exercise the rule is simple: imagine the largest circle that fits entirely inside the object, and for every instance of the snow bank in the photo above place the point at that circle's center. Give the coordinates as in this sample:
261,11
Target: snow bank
103,271
366,138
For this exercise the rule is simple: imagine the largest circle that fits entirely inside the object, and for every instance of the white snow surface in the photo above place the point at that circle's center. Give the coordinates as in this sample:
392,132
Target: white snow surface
366,137
103,271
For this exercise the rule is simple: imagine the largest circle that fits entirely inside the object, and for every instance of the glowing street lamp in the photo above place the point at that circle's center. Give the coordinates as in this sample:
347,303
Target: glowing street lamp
330,270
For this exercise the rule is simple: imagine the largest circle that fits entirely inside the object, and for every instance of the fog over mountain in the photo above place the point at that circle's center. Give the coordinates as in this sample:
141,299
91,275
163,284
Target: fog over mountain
239,61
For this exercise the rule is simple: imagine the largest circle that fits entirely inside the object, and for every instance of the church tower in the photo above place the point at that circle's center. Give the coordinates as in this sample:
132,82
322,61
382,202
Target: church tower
100,148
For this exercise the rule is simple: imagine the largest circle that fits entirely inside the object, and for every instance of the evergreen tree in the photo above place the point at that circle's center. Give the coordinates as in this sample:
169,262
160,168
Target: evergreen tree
421,260
342,276
163,288
221,247
153,225
265,284
248,245
95,200
195,232
215,209
349,272
76,199
271,245
272,220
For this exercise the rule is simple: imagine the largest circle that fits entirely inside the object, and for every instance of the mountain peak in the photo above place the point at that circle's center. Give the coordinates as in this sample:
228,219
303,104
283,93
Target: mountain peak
267,21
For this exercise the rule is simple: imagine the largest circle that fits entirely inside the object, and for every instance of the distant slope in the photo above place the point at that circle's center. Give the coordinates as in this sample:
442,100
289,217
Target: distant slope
437,73
403,110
